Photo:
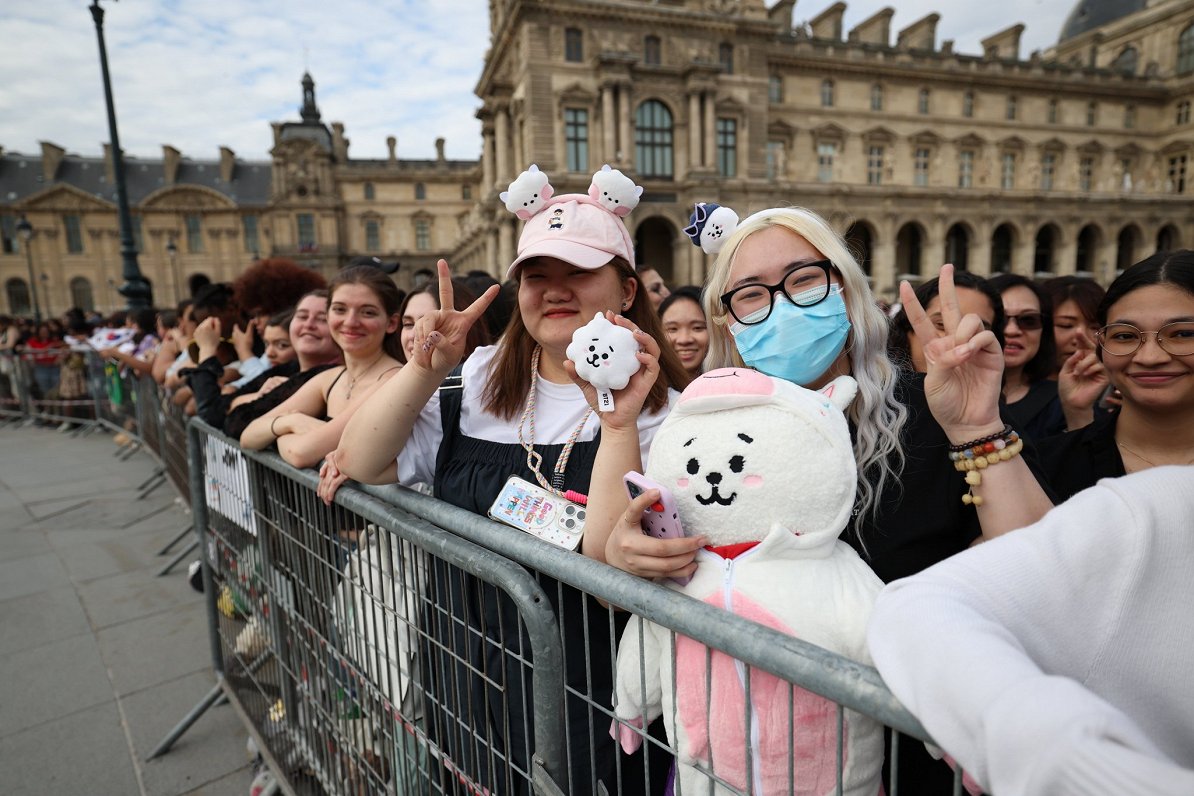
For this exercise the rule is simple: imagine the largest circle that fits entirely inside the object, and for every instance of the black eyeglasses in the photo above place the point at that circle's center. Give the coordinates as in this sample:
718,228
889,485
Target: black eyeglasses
1027,321
805,286
1124,339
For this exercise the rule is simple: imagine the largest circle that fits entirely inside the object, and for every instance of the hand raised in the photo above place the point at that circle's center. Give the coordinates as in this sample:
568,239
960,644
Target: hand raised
628,402
440,336
1082,378
965,365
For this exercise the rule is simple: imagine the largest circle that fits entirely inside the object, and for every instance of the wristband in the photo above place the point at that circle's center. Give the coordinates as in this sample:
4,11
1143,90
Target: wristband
271,426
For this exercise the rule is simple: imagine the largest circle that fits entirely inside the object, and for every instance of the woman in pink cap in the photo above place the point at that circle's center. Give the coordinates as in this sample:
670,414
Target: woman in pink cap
515,410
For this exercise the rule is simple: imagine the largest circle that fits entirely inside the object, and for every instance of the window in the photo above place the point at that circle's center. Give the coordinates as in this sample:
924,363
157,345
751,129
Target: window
81,295
651,51
1185,51
18,296
422,234
966,168
727,147
653,140
968,104
1183,112
920,167
1129,117
306,231
372,236
194,234
370,195
1092,113
725,57
1177,174
876,97
775,159
1051,113
1048,166
138,240
826,154
1126,61
576,138
1007,171
74,234
252,244
466,191
1085,173
420,191
922,102
574,45
826,93
1125,168
874,165
775,89
1010,111
9,243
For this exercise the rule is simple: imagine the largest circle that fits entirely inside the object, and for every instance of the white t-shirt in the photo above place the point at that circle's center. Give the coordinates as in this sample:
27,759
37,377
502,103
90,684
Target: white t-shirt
558,410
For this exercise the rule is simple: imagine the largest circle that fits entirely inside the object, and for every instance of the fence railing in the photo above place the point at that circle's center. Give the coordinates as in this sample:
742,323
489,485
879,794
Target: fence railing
393,643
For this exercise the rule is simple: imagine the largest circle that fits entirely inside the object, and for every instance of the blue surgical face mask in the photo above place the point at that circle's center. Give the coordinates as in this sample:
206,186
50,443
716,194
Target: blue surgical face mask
797,344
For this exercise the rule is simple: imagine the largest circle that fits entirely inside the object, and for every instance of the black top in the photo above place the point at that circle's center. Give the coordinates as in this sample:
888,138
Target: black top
240,417
1038,415
1077,459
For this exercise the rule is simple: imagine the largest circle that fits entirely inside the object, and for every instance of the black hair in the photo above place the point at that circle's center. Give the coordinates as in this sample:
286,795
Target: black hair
1044,363
1163,268
898,347
682,293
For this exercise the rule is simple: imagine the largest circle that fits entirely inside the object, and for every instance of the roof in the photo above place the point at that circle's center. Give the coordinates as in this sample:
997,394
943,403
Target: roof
1090,14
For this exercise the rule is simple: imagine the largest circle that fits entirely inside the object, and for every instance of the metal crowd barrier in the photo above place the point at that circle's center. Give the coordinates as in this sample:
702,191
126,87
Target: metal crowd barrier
393,643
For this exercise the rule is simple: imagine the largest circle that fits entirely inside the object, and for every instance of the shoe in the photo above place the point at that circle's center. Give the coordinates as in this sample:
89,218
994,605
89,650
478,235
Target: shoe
66,425
121,439
195,575
251,641
262,782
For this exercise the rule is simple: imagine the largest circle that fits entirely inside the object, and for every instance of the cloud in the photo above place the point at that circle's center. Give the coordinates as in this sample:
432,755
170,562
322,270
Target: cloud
201,75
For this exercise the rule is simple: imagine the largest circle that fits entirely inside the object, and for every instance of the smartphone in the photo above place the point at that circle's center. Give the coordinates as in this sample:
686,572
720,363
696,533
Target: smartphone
540,513
661,518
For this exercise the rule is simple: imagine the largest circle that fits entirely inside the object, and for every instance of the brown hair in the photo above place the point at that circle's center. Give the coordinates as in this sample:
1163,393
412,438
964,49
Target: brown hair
507,385
386,291
462,298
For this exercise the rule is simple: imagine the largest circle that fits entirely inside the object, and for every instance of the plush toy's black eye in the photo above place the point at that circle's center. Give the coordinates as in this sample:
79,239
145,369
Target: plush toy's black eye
592,348
693,466
737,463
605,356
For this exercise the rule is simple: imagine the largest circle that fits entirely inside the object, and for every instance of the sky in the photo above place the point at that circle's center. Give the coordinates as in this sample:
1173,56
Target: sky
200,75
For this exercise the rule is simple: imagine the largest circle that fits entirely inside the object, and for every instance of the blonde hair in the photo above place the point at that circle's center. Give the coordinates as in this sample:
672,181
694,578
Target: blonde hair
877,416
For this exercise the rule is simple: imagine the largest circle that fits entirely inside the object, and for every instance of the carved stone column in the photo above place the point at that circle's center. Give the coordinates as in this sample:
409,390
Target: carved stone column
501,126
626,136
608,136
694,130
710,131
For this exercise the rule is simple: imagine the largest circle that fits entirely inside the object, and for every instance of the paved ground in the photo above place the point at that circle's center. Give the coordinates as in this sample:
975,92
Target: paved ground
99,658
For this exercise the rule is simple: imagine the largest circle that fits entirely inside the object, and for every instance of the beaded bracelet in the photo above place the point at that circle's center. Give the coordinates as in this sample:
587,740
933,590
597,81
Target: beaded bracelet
974,457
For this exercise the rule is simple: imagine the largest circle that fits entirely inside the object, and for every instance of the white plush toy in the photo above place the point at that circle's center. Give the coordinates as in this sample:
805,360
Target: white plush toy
615,191
604,356
766,471
709,226
527,193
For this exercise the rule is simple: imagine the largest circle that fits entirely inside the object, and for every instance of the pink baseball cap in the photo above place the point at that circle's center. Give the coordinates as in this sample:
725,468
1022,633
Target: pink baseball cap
577,230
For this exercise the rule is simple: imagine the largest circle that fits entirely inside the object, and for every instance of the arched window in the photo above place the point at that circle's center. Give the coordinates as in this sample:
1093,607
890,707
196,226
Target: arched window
826,93
876,97
420,191
1185,51
1126,61
653,140
18,296
652,51
81,295
725,56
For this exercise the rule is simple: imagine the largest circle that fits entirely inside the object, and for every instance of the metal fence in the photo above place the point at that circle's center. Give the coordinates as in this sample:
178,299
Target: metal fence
393,643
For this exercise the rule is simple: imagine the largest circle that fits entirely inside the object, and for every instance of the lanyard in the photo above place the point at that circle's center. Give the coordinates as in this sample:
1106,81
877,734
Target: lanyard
534,459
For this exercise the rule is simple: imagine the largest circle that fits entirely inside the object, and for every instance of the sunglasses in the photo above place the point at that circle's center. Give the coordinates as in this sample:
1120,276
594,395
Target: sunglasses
1027,321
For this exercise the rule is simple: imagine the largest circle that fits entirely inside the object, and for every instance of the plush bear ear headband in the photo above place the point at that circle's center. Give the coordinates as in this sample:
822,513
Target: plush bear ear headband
585,230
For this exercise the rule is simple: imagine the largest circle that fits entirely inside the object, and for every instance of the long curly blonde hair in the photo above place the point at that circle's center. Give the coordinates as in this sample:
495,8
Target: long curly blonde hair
877,416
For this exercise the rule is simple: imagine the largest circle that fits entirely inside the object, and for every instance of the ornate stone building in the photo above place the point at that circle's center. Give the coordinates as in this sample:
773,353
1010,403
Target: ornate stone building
310,202
1076,159
1071,160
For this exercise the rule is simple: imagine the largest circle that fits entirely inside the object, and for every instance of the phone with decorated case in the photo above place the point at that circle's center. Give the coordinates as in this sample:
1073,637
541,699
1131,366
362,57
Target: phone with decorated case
540,513
661,519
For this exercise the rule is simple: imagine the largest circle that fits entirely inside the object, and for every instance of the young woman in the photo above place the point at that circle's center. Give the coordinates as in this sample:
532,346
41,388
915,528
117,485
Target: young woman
786,298
517,398
975,297
1146,342
426,299
363,319
686,328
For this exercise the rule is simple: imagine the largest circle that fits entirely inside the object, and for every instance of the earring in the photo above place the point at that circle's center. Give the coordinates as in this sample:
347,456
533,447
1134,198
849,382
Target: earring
625,305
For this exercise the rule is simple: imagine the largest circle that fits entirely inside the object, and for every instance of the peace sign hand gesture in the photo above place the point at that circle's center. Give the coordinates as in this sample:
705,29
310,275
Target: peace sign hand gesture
440,335
965,365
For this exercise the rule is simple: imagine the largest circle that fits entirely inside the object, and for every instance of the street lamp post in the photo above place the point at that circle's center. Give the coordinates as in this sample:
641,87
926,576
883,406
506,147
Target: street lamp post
172,252
45,286
135,288
25,230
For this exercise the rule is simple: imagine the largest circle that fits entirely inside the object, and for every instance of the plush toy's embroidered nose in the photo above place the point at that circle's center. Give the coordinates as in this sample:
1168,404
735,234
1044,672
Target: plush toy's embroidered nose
713,478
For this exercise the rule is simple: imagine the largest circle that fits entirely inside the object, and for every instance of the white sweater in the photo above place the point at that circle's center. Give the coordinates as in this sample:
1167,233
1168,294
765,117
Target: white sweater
1059,659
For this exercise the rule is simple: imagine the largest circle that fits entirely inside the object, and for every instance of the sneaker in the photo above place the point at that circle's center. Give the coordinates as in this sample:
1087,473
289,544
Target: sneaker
262,782
195,575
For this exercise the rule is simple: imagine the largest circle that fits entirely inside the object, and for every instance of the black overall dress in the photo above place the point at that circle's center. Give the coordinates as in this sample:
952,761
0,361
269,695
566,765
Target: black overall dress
479,711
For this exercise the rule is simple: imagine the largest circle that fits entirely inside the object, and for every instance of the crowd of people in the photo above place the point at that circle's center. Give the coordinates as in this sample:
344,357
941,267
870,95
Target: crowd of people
1074,384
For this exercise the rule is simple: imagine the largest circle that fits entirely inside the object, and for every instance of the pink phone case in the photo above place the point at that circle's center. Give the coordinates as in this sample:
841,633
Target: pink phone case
660,519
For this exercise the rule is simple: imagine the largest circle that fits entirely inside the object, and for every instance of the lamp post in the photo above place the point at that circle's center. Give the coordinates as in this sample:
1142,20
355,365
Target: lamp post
135,288
172,252
25,230
45,286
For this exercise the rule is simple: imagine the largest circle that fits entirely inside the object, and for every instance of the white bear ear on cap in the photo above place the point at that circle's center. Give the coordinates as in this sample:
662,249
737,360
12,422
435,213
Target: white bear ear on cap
614,191
528,193
840,392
